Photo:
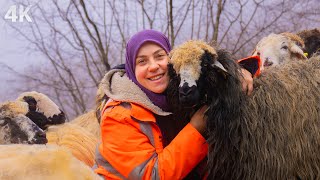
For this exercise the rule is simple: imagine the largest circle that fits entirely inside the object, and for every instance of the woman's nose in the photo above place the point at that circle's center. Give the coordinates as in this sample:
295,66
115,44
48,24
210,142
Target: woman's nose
153,65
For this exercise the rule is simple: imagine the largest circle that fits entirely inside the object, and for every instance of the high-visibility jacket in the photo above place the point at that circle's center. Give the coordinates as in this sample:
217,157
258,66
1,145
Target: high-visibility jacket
132,147
132,143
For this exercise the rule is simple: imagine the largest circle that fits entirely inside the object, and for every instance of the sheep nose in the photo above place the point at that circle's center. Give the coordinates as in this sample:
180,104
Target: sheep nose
267,62
40,134
185,91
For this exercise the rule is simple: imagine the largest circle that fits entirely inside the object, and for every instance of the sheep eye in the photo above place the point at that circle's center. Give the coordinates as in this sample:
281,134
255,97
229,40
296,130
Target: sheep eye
284,47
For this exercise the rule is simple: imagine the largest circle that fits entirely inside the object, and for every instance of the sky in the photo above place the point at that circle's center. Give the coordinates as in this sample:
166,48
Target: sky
13,52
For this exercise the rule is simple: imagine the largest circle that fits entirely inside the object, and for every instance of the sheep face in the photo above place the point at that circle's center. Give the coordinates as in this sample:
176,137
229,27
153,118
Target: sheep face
188,92
42,110
277,49
191,63
20,130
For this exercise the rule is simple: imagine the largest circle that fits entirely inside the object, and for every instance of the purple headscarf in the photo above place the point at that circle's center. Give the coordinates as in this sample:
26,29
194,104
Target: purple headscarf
133,46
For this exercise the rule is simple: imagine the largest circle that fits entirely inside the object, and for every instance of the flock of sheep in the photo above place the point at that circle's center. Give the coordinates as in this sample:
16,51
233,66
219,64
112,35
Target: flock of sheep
272,134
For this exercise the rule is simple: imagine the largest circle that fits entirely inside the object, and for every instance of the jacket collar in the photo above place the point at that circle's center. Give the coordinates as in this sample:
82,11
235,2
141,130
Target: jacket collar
117,86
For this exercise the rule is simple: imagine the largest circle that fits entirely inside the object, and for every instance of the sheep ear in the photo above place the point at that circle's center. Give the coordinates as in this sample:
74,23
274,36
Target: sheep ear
297,51
219,65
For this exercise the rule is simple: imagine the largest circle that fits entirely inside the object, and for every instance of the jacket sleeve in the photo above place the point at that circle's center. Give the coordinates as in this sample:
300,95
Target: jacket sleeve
130,152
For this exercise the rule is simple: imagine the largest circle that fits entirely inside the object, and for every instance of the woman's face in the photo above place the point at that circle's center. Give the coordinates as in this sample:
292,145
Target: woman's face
151,69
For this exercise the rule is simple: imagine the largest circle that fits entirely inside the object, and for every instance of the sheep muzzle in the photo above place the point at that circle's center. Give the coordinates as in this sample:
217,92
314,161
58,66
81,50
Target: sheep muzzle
188,96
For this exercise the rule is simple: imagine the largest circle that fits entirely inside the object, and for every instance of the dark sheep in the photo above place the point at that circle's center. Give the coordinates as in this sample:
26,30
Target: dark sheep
311,39
272,134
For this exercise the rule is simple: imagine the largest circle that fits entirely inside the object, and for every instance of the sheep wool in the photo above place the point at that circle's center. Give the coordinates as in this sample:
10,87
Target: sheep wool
78,140
39,162
297,39
14,107
89,122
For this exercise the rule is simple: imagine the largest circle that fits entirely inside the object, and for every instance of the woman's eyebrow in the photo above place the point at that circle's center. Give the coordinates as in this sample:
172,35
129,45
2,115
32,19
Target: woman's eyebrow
159,50
141,56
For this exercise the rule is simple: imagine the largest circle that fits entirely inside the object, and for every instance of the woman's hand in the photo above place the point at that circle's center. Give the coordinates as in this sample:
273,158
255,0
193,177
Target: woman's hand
199,120
247,81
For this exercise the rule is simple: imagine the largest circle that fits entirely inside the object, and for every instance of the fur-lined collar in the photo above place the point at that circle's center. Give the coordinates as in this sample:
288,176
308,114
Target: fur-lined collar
117,86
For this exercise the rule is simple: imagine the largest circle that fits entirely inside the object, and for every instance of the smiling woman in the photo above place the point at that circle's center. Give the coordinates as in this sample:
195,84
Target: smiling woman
151,67
141,139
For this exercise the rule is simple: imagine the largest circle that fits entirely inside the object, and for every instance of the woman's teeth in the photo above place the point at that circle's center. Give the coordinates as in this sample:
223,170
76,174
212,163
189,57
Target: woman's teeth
156,77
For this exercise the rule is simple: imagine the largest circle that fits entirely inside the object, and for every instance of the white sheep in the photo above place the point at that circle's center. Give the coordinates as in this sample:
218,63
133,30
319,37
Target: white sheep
276,49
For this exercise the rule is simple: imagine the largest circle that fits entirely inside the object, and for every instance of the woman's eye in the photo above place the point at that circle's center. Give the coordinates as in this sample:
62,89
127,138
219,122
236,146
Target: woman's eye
141,61
284,47
160,55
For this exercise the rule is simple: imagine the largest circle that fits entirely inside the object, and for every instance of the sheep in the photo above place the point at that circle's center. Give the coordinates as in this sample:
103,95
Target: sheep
80,135
37,162
311,39
277,49
42,110
77,139
16,128
272,134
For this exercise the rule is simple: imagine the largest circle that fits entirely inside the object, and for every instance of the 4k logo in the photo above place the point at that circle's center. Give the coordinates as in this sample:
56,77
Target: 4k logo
21,15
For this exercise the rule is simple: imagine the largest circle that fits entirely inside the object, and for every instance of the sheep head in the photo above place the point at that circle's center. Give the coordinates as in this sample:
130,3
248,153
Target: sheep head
192,67
311,39
42,110
277,49
16,128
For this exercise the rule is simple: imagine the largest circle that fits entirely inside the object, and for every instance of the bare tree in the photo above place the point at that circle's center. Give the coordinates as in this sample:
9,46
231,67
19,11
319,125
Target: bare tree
81,40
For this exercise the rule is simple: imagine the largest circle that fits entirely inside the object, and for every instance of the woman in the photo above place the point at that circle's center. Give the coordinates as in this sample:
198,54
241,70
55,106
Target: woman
140,139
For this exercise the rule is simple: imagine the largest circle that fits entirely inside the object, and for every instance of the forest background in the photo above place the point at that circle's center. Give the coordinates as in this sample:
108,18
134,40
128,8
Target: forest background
70,44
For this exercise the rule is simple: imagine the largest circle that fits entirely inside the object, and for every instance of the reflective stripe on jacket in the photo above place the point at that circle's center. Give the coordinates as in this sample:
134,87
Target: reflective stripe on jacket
132,148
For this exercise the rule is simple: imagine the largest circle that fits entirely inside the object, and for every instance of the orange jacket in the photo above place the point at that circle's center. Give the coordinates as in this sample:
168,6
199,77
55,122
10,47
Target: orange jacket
132,148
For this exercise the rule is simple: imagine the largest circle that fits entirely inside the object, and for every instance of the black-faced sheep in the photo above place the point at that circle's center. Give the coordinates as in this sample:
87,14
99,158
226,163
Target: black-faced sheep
273,134
311,39
74,135
42,110
277,49
35,162
16,128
